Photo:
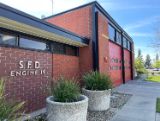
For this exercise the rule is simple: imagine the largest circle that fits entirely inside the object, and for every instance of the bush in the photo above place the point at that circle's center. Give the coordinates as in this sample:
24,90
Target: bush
66,91
8,111
141,71
97,81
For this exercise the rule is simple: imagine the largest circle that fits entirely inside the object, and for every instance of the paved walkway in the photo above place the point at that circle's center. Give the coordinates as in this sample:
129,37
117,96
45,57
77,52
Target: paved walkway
142,105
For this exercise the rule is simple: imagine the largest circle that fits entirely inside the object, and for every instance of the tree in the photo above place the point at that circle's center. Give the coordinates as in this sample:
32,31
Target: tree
140,54
139,64
148,61
156,64
157,57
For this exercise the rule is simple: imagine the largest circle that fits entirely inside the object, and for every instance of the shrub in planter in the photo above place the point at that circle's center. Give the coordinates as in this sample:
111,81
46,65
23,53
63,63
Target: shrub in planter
8,111
66,102
98,90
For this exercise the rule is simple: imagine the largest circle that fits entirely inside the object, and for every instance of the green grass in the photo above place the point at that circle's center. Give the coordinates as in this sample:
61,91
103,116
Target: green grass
153,78
158,105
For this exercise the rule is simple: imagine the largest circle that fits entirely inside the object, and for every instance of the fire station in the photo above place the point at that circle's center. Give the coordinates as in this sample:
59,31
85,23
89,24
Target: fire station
68,44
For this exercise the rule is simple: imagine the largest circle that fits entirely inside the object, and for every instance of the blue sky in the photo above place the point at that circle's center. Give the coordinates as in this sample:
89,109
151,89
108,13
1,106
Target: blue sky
140,18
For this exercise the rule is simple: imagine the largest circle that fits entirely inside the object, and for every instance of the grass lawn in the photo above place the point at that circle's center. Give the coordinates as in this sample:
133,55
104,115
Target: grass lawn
158,105
153,78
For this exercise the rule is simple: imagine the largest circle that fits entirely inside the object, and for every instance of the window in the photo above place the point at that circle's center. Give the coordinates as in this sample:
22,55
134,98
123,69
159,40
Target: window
125,42
71,50
33,44
129,45
8,39
118,37
111,33
58,48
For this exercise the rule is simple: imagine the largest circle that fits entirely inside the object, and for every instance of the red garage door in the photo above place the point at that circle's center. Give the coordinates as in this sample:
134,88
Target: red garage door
115,68
127,65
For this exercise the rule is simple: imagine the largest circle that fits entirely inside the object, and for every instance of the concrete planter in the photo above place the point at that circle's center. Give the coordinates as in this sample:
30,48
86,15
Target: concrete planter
98,100
75,111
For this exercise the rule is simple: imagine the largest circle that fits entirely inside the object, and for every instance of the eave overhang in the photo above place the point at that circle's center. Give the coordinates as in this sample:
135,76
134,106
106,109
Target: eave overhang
15,20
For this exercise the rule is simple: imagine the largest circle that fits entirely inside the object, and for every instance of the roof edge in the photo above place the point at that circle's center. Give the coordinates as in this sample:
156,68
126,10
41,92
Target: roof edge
11,9
102,10
75,8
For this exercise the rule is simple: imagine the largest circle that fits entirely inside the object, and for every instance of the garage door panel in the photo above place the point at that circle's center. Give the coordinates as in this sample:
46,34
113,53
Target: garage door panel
127,65
115,68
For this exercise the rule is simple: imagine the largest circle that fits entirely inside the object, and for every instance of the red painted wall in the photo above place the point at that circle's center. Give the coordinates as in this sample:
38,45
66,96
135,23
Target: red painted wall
127,65
80,22
115,63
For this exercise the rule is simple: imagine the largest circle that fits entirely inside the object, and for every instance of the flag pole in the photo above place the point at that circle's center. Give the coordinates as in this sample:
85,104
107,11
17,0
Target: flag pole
52,7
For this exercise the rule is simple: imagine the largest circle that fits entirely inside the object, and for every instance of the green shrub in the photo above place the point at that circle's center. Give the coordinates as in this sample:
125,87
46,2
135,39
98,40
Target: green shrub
8,111
66,91
97,81
141,71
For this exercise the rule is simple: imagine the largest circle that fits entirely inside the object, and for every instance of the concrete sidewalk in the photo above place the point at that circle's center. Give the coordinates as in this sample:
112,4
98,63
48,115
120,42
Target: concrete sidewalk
142,105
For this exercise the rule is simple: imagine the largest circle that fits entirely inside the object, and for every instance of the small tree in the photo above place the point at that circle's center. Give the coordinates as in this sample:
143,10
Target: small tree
139,64
156,64
157,57
148,61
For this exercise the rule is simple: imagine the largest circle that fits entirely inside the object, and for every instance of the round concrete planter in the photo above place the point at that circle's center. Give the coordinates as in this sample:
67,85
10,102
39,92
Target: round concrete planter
98,100
75,111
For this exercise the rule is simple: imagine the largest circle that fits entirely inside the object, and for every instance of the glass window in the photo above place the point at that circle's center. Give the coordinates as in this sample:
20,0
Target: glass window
8,39
118,37
125,42
58,48
33,44
129,45
111,33
70,50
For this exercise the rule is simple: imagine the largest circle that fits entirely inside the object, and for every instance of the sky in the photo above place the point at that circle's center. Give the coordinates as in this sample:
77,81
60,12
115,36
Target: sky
139,18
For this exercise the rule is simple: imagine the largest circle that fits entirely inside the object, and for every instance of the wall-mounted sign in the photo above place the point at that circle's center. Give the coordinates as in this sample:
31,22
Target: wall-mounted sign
27,68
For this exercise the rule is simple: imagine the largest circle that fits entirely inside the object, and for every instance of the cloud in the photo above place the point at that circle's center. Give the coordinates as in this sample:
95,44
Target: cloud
140,34
142,23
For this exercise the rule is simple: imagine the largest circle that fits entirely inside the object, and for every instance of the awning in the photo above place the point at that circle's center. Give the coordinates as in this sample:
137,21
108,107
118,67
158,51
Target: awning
15,20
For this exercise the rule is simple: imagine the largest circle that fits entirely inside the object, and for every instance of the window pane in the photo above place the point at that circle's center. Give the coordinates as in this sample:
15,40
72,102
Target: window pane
71,50
125,42
111,33
58,48
129,45
118,37
28,43
8,39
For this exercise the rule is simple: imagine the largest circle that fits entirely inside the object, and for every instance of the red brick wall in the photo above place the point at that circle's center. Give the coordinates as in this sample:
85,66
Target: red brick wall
77,21
103,44
66,66
80,22
31,89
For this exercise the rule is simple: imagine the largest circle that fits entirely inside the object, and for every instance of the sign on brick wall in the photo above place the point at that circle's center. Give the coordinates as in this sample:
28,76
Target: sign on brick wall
28,68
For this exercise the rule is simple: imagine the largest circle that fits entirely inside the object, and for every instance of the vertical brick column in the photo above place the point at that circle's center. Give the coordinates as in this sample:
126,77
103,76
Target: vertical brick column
103,44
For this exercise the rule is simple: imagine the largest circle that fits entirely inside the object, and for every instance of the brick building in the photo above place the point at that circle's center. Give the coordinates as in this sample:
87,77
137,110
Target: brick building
67,44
